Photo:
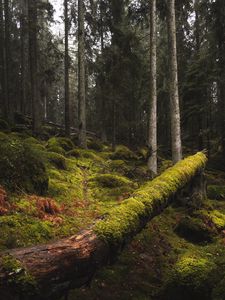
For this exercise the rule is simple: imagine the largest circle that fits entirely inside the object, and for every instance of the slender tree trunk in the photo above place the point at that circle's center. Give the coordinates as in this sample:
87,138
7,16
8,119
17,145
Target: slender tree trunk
220,25
81,67
2,84
24,55
6,58
35,91
102,109
67,93
152,139
174,94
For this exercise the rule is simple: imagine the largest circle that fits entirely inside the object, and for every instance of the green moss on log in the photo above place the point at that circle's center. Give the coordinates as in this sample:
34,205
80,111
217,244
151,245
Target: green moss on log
127,219
17,275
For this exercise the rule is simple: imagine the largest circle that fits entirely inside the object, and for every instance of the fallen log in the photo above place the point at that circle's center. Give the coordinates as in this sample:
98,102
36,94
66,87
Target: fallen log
48,271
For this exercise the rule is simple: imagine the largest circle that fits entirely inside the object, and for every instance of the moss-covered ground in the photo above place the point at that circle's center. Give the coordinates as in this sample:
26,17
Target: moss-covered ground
163,263
180,254
82,185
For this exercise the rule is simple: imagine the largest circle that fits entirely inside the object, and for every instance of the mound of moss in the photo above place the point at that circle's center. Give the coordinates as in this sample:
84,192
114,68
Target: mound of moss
22,166
111,181
191,278
216,192
123,153
59,145
95,144
57,160
195,230
20,230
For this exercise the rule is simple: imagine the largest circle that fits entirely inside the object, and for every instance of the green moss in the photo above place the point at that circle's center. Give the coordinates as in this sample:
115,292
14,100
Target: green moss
195,230
58,160
124,218
216,192
95,144
117,165
164,165
123,153
218,292
218,219
56,149
111,181
22,166
56,143
190,279
152,197
74,153
143,153
20,230
17,275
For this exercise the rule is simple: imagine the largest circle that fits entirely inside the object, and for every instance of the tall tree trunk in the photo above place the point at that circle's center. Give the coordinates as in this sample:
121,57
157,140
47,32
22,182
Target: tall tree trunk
174,94
24,55
81,67
35,89
6,59
67,93
220,35
2,84
152,138
102,109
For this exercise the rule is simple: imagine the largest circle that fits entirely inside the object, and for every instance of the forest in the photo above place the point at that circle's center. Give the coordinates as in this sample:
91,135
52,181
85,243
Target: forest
112,150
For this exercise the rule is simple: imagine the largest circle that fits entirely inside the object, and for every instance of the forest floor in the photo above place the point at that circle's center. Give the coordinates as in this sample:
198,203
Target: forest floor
181,253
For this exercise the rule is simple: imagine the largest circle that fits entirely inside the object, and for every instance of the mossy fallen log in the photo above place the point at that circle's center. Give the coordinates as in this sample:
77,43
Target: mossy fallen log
48,271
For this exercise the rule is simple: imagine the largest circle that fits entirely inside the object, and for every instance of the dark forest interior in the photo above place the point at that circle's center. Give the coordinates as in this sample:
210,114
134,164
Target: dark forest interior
112,150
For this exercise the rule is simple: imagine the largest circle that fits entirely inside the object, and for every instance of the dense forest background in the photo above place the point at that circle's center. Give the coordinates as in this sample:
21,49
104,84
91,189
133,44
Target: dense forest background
40,75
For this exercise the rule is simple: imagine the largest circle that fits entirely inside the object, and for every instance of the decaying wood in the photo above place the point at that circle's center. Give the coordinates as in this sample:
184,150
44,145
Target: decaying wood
57,266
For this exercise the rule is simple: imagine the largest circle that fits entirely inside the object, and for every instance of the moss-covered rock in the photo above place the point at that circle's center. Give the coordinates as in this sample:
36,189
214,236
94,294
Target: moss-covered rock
195,230
58,160
60,142
216,192
118,166
22,166
74,153
95,144
123,153
111,181
191,278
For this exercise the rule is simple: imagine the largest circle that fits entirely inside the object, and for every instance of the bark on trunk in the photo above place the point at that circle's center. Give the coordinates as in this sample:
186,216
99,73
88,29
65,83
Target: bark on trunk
2,92
24,56
152,162
174,94
81,67
33,55
67,95
103,104
6,59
